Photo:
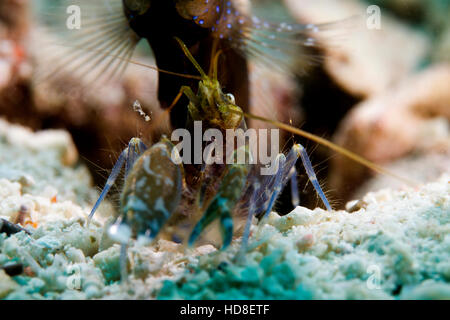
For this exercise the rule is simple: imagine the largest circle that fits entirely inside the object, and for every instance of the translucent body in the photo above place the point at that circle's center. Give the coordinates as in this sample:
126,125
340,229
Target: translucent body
154,183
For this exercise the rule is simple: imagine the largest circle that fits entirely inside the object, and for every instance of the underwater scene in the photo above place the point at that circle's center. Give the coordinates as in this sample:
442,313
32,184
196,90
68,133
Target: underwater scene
224,150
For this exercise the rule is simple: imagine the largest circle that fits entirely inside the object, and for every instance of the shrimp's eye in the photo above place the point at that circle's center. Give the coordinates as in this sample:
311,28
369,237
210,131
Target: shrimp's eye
138,7
230,98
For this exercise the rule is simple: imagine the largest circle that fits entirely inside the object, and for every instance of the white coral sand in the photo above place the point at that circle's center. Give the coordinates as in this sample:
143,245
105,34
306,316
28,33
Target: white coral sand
396,245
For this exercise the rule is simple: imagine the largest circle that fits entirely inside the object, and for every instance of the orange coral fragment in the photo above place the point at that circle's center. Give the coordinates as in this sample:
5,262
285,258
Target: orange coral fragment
30,223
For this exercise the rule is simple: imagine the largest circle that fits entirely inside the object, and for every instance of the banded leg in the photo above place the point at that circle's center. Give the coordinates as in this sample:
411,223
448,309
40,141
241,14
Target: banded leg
127,156
121,233
278,186
300,150
295,198
288,172
248,223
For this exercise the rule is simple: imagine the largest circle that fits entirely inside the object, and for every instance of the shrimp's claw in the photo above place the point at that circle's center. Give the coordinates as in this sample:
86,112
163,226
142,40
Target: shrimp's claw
152,190
153,186
228,195
219,208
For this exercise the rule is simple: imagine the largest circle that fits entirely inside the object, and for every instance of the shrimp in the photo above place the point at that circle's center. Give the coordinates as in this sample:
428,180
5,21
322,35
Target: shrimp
156,182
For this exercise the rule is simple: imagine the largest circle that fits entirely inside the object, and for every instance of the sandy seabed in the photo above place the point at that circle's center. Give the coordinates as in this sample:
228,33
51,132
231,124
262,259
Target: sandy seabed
393,244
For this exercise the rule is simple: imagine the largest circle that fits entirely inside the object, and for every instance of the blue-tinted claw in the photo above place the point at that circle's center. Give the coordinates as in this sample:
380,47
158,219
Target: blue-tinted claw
213,212
226,227
228,195
152,191
217,209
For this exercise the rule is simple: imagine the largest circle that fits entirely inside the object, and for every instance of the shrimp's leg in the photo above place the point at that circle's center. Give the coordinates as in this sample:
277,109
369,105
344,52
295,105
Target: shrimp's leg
121,233
187,91
285,171
299,149
248,223
280,163
295,198
193,99
127,156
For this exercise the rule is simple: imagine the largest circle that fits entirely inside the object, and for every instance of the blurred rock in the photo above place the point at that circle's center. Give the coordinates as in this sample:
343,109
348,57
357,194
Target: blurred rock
42,164
410,119
364,62
272,96
14,19
100,119
430,16
442,49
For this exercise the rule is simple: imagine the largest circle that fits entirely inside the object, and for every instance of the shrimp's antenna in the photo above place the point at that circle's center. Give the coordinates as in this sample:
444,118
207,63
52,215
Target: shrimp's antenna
188,76
191,58
215,61
341,150
213,53
215,64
